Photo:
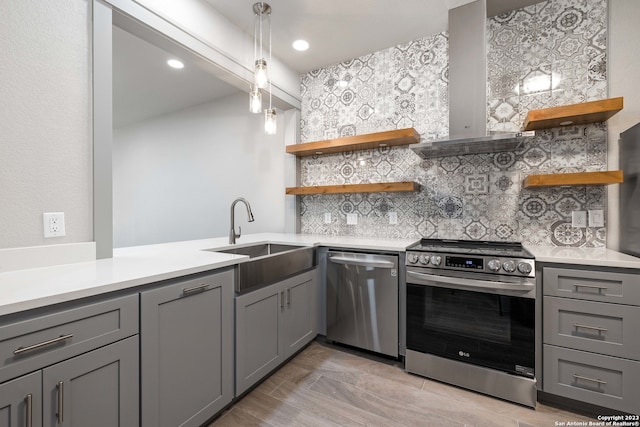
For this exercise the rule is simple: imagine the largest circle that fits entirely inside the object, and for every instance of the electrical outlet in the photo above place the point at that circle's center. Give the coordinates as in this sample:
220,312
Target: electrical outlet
53,223
596,218
327,217
352,219
579,219
393,218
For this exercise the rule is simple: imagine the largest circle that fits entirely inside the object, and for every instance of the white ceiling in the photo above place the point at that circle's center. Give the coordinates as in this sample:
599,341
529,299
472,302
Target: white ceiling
144,86
339,30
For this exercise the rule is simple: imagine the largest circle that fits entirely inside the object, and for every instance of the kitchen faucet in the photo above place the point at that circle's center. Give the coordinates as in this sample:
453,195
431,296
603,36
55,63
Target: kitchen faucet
232,234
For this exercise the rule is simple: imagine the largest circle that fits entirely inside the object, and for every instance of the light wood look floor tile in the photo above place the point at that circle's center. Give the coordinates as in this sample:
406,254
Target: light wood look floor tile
327,385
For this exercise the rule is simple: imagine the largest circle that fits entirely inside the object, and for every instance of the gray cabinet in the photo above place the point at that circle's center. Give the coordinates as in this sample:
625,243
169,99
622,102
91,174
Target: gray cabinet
21,401
187,350
76,365
272,324
98,388
590,341
300,316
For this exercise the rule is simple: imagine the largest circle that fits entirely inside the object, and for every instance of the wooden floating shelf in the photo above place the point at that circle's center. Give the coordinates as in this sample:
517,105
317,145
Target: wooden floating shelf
575,114
579,178
359,142
381,187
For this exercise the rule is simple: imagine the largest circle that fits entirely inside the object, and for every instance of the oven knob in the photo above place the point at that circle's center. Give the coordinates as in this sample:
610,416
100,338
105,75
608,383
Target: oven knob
494,264
436,259
423,259
509,266
524,267
412,258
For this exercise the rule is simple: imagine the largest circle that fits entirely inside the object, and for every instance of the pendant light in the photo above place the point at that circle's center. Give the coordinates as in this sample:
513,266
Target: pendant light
270,124
255,100
261,75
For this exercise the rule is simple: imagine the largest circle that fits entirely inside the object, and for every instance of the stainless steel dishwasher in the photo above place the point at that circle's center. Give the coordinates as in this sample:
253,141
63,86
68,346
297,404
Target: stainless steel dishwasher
362,301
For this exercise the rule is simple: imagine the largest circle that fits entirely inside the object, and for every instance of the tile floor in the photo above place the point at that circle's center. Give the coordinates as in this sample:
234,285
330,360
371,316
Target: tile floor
327,385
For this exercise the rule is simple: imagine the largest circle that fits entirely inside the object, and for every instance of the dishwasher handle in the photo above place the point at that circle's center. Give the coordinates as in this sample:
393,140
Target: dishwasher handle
362,262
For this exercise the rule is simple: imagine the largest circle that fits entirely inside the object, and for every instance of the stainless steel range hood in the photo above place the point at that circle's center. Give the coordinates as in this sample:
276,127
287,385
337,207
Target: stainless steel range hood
467,91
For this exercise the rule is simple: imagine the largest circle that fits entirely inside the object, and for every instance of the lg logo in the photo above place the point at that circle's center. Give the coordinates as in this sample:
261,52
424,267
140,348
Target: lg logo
463,354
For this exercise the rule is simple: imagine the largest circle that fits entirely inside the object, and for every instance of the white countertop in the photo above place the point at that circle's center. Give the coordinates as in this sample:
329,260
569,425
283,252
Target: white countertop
601,257
139,265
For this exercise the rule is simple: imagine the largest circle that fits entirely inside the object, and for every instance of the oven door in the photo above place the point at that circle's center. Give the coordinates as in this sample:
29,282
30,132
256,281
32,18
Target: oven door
483,322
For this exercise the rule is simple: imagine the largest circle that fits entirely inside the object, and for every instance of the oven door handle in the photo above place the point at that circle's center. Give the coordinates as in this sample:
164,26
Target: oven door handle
470,284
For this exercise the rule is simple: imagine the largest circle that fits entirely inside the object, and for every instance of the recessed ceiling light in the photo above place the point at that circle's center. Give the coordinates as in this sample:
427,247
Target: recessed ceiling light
300,45
174,63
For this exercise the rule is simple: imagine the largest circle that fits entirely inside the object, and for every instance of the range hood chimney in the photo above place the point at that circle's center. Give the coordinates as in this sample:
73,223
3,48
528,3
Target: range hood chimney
468,91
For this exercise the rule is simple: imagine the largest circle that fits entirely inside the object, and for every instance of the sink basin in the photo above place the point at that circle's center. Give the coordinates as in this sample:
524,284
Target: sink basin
260,250
269,263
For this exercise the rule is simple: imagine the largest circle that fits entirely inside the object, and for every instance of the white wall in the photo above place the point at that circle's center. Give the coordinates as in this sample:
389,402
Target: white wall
200,19
45,120
624,68
175,176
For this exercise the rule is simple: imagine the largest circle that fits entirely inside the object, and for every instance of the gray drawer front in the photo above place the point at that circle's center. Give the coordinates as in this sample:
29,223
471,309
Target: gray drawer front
592,378
592,326
92,326
620,288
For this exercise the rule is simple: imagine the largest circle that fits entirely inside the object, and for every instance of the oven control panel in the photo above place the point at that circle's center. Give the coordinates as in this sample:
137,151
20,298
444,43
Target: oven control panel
484,264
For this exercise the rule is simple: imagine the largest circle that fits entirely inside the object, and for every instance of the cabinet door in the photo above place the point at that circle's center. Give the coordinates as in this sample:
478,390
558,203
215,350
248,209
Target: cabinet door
187,351
301,311
21,401
97,389
259,335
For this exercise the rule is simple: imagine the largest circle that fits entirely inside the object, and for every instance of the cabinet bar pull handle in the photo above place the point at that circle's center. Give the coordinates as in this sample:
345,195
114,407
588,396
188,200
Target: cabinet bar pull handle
595,328
21,350
60,412
580,377
289,297
28,401
599,288
282,300
194,289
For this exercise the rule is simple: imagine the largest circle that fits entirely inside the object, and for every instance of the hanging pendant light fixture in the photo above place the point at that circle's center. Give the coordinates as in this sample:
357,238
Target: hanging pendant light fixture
255,100
261,75
270,124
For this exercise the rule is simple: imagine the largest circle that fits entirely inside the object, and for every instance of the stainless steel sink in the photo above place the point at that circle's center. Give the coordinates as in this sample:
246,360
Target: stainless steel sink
260,250
269,263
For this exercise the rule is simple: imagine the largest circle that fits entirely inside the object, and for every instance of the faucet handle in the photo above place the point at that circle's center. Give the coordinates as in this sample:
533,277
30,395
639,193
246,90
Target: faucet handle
239,232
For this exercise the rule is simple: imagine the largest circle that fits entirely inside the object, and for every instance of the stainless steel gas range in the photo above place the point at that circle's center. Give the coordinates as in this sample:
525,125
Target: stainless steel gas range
471,316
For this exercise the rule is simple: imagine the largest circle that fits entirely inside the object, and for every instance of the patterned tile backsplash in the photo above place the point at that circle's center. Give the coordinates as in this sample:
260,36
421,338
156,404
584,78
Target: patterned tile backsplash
548,54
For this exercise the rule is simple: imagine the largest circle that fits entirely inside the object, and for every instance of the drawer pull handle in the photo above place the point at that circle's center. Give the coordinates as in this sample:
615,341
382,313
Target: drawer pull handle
28,404
21,350
60,411
580,377
289,297
593,328
194,289
282,301
599,288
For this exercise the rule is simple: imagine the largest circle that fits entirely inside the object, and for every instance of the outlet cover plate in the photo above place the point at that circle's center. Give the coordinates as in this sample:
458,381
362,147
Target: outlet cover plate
579,219
327,217
352,219
53,224
393,218
596,218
